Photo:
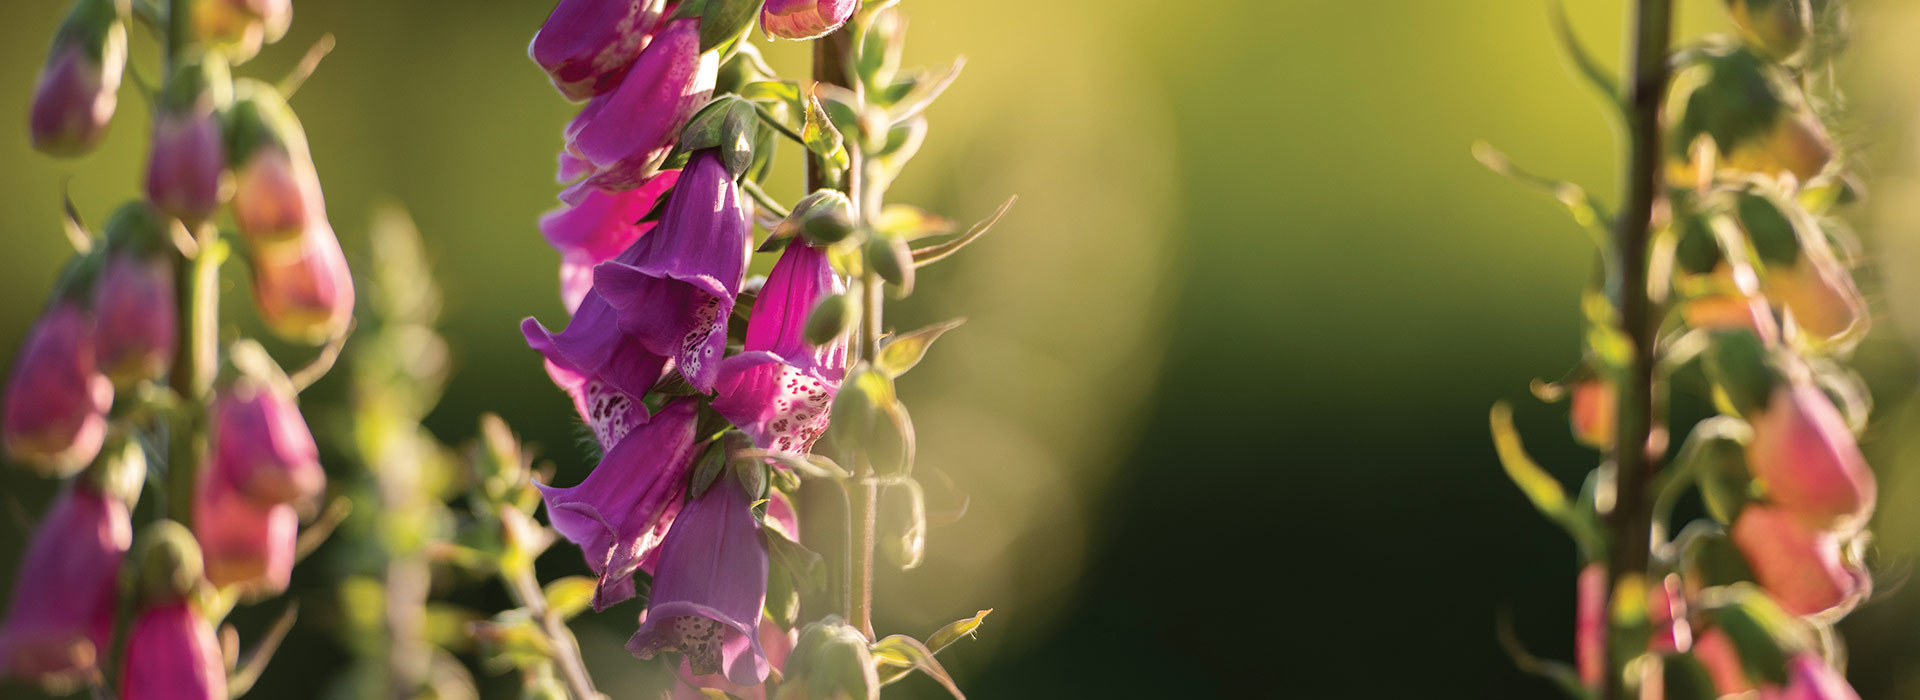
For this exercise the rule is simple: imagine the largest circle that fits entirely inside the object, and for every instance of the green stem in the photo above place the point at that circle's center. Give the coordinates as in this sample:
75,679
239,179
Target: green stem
198,299
1631,521
525,591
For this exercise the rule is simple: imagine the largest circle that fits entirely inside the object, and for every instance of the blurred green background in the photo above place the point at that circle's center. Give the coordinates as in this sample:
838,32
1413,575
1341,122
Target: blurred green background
1221,407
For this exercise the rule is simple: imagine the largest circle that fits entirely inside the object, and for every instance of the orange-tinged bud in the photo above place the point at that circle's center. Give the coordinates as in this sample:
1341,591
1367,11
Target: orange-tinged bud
1820,297
1799,566
1596,409
304,293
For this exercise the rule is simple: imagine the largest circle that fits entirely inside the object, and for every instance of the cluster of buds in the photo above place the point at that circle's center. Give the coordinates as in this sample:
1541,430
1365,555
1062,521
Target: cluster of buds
1749,291
123,360
707,424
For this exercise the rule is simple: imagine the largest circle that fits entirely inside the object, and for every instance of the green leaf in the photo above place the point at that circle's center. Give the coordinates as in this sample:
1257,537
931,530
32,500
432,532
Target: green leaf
1596,76
723,21
912,223
1540,488
899,353
569,596
929,255
712,463
902,651
925,91
821,137
817,466
939,641
808,569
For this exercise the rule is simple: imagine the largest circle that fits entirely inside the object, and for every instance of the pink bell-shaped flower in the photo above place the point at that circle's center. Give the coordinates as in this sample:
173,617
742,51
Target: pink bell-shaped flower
133,298
599,228
305,292
1798,566
780,389
1805,455
187,169
586,46
709,589
172,654
57,398
805,19
80,86
622,136
60,619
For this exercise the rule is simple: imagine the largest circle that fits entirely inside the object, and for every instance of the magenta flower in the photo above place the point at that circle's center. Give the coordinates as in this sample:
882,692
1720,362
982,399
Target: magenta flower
133,298
780,389
624,135
587,45
675,288
602,226
618,514
304,292
709,589
604,370
186,171
172,654
776,642
805,19
247,545
1810,678
80,86
57,399
261,444
1806,455
1800,567
59,621
276,194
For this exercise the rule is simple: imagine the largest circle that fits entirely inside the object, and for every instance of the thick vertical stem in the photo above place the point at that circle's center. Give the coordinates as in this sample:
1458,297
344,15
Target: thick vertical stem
1631,522
198,297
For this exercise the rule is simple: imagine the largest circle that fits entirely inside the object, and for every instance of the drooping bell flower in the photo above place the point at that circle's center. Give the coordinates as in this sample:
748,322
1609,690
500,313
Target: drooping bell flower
172,654
620,512
186,171
261,445
709,588
675,289
776,642
57,398
603,370
780,389
624,135
241,27
805,19
133,298
80,86
599,228
1810,678
1799,566
249,546
1806,456
586,46
276,194
60,619
304,292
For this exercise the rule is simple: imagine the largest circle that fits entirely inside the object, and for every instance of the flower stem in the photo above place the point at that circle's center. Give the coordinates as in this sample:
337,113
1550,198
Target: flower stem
525,591
198,296
1630,523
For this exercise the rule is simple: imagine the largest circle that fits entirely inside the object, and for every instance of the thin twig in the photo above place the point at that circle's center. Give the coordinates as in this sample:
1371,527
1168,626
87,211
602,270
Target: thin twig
778,125
765,200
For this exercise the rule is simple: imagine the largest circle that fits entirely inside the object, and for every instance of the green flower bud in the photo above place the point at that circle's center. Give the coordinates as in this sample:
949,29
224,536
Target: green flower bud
903,524
830,662
826,216
892,259
830,319
169,563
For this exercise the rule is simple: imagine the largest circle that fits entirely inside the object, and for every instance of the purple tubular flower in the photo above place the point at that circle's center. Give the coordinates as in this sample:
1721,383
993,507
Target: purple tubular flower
805,19
709,589
624,135
57,399
133,298
261,444
618,514
599,228
780,390
675,288
186,171
603,370
59,621
587,45
80,85
172,654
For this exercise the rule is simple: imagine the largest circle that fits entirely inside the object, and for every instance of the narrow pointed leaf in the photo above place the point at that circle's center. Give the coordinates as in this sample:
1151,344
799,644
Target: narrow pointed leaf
901,352
821,136
926,91
929,255
939,641
901,650
569,596
807,568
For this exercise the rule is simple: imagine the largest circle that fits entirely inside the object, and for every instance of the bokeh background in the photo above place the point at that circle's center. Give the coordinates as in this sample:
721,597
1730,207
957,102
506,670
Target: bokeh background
1221,406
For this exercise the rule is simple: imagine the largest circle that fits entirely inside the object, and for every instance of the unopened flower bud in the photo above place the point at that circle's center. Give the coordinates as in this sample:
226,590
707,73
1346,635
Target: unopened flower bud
1741,371
830,662
858,409
1778,27
830,319
173,654
305,294
1741,102
892,259
805,19
826,216
80,85
169,563
57,398
261,444
1797,565
249,546
586,46
1806,456
60,619
186,172
241,27
276,192
1595,408
902,523
133,298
